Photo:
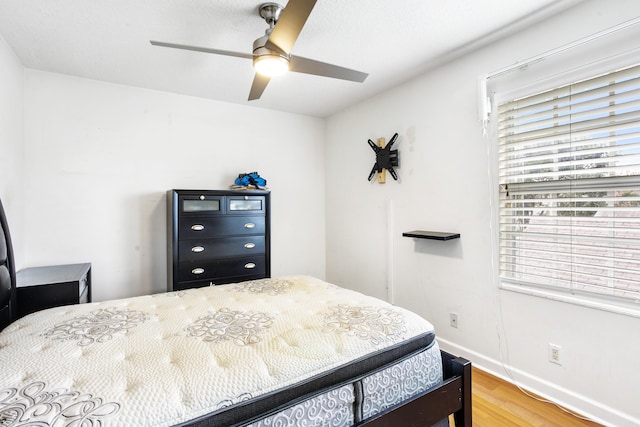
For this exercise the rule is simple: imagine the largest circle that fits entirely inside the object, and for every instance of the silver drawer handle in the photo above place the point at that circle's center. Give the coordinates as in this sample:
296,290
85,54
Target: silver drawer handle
197,249
197,270
197,227
249,265
249,225
249,245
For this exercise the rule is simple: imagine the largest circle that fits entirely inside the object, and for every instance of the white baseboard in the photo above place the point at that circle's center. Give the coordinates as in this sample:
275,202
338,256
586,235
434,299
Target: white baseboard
568,399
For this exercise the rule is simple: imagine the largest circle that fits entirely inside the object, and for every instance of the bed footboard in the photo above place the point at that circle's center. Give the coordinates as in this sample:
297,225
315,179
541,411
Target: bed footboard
453,396
458,367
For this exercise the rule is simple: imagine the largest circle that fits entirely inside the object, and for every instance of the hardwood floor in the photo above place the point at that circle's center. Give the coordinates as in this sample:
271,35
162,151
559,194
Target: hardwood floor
497,403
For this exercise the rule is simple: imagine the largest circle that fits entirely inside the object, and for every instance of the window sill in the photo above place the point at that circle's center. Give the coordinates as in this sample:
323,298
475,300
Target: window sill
618,307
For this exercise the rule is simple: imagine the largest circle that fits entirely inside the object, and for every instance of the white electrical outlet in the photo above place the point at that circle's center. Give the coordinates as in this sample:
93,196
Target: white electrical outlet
453,320
555,354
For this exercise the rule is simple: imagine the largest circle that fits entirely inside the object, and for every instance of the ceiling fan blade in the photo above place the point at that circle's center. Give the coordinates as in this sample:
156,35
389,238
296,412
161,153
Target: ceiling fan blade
289,25
310,66
260,82
202,49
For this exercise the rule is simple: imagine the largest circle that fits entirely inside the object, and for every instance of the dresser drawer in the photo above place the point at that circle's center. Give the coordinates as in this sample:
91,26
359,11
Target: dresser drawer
199,204
241,205
217,281
209,269
207,227
197,249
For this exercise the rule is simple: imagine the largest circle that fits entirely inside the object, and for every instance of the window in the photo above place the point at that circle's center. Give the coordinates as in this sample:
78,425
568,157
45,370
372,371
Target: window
569,174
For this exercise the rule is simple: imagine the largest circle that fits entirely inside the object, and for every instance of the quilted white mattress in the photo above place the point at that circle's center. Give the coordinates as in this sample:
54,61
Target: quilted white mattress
164,359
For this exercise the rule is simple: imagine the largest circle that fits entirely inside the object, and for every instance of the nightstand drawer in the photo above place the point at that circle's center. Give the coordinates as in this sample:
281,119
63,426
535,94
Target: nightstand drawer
204,228
228,247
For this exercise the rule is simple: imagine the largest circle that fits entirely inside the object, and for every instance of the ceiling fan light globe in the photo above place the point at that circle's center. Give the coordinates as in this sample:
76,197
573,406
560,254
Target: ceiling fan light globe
271,65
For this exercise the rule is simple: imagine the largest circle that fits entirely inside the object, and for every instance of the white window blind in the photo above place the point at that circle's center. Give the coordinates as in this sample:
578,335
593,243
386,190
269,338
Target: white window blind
569,173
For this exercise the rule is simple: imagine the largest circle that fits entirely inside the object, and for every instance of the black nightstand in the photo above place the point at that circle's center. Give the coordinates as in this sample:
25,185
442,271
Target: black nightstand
52,286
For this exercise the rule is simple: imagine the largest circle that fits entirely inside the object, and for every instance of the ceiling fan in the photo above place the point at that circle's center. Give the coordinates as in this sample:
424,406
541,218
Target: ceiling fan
272,52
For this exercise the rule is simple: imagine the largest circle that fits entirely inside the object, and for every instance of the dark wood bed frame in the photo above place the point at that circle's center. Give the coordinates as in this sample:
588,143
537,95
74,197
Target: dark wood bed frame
453,396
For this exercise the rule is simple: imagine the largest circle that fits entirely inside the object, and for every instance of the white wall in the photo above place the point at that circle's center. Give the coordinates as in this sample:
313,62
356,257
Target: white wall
445,186
100,158
12,163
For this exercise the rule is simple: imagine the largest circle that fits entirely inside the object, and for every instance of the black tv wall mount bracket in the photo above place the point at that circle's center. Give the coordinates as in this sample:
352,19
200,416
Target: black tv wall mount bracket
386,159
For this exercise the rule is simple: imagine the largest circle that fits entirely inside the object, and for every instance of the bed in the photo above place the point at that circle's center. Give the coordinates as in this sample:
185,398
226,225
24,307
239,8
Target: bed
284,351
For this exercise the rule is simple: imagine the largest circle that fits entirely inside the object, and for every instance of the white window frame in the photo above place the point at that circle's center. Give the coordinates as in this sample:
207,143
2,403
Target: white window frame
511,85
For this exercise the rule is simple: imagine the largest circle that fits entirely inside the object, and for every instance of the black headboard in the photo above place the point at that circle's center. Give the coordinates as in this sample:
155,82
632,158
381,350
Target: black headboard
7,274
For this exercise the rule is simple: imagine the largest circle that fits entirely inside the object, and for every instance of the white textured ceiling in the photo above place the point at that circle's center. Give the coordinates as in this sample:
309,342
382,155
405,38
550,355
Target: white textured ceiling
391,40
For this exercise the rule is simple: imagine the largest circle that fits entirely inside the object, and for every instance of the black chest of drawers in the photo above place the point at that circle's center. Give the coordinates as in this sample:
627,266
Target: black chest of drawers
217,237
